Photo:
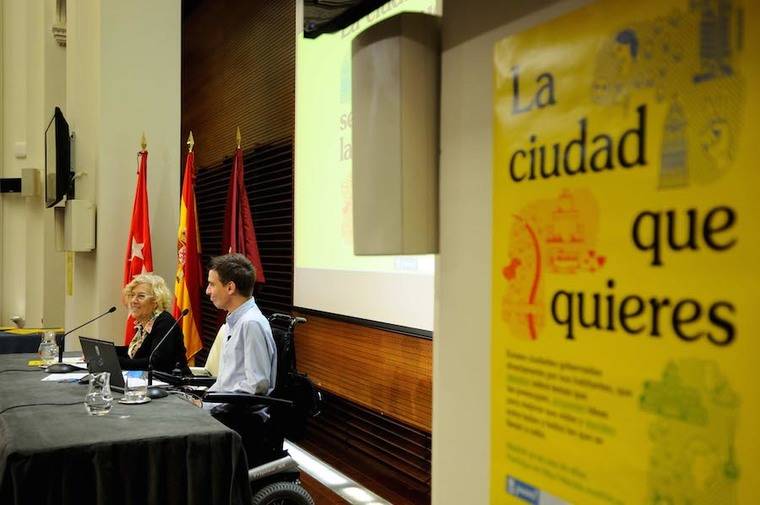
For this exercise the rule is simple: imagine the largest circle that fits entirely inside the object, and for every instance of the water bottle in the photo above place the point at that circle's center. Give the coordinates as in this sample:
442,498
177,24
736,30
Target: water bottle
48,348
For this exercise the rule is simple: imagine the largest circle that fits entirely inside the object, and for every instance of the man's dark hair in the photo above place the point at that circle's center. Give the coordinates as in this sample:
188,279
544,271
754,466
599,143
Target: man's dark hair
236,268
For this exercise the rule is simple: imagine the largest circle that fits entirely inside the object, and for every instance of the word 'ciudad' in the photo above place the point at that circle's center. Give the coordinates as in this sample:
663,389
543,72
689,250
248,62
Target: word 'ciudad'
599,153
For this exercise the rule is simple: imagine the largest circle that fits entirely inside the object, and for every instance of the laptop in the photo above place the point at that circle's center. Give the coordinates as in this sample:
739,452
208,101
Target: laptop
100,356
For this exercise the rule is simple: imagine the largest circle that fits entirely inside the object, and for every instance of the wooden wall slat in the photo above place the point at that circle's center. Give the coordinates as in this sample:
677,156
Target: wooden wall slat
383,371
238,69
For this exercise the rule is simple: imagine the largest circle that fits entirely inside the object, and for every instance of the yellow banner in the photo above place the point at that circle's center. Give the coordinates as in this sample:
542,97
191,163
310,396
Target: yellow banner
625,246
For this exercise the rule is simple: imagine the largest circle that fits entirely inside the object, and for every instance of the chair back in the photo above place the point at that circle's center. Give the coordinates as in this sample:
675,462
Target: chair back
214,354
291,384
283,339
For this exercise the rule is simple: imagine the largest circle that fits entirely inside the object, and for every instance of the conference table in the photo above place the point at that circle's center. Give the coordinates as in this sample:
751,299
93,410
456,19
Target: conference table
165,452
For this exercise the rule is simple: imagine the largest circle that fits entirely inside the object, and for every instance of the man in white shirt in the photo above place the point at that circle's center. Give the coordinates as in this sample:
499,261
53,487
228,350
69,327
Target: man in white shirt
248,362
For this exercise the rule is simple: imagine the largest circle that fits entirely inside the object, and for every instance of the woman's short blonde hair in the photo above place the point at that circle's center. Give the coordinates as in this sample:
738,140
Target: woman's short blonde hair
157,286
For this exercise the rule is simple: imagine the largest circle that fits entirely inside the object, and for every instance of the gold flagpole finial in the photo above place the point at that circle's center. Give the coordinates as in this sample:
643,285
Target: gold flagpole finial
237,137
143,143
190,142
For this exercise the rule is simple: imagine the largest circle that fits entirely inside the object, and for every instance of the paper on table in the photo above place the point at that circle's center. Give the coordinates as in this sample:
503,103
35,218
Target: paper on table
64,377
75,376
75,360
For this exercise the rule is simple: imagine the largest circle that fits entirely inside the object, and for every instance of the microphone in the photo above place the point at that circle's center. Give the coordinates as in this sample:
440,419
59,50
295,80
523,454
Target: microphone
156,392
62,367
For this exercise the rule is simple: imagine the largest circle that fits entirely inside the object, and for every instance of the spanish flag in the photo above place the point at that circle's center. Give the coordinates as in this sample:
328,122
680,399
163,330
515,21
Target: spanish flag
187,284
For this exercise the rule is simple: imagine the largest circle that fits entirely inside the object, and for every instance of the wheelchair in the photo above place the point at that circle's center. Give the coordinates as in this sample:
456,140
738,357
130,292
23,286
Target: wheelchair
273,474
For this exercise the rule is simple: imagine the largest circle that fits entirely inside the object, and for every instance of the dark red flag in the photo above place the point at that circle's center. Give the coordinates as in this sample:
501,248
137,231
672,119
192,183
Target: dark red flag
239,235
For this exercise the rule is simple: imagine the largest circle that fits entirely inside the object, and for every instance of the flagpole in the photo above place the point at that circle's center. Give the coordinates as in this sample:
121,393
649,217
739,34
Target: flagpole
143,143
190,142
237,137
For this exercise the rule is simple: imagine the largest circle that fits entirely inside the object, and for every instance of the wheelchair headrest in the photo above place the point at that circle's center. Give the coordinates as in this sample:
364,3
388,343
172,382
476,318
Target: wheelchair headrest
283,326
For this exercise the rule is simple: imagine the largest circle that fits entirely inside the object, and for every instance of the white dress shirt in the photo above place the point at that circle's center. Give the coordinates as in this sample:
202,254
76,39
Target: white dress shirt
248,363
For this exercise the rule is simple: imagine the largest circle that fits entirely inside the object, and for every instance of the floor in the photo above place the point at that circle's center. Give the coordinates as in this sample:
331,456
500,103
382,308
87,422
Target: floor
327,485
321,494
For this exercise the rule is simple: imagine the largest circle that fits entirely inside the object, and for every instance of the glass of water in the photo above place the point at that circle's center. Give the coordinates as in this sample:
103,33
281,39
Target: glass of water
48,348
136,386
99,399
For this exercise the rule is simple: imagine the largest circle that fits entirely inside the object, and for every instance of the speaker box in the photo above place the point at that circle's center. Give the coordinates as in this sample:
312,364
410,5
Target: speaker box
395,104
26,185
79,226
29,182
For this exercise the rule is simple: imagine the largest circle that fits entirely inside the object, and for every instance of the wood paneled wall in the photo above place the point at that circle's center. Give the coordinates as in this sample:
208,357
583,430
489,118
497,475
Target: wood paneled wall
391,459
238,69
383,371
269,185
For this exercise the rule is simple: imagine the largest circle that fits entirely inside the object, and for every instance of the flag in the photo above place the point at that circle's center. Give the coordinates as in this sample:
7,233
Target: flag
139,257
187,283
239,235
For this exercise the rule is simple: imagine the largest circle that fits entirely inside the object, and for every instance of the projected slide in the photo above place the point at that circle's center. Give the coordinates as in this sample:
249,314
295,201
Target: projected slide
397,290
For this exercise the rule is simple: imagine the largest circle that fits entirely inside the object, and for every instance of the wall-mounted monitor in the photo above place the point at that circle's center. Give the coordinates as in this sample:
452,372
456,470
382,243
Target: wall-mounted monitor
58,176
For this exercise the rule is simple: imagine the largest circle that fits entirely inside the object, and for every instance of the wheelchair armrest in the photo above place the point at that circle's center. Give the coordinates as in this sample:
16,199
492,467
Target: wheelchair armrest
245,399
174,380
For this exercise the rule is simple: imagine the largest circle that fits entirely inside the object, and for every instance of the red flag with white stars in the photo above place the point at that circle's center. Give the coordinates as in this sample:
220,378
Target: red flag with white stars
139,258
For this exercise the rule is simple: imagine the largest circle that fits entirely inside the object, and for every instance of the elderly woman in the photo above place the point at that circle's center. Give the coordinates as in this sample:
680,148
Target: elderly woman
147,298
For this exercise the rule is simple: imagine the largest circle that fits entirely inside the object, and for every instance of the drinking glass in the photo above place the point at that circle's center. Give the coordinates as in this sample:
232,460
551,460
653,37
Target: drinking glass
48,348
135,386
99,399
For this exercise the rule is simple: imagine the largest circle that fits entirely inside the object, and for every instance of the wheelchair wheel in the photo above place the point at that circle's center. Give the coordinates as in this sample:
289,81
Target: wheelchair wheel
282,493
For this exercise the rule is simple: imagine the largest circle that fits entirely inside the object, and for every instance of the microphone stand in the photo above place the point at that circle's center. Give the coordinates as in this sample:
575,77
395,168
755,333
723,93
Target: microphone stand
156,392
62,367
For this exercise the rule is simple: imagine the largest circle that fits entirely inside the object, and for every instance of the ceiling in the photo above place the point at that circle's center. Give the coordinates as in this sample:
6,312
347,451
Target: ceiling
319,16
330,16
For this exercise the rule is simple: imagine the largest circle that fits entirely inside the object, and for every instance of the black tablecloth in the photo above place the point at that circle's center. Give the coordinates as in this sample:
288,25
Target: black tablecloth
163,452
11,343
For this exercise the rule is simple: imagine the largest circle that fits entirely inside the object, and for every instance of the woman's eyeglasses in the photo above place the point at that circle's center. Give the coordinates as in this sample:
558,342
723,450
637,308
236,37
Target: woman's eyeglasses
140,297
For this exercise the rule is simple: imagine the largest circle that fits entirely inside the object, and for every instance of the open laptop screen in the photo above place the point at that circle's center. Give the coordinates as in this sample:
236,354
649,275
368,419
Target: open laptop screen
100,356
